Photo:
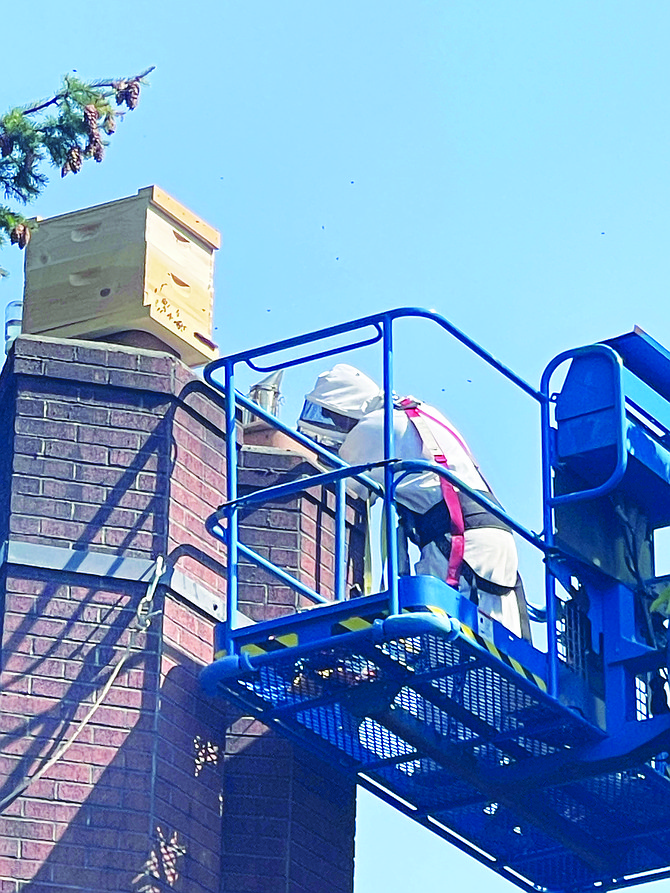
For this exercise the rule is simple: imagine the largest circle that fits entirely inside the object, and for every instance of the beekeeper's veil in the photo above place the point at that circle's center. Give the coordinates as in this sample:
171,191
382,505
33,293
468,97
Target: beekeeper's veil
341,397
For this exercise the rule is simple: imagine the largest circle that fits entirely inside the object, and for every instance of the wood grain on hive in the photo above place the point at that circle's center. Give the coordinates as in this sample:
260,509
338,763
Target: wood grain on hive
143,263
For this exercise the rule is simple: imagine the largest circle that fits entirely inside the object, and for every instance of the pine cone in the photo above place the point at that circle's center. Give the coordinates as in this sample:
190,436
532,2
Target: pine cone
66,169
120,87
18,235
109,124
90,115
132,94
24,237
91,122
6,144
74,159
98,151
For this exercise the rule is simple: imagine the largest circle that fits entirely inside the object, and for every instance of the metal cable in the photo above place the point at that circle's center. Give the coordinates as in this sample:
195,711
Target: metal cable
143,615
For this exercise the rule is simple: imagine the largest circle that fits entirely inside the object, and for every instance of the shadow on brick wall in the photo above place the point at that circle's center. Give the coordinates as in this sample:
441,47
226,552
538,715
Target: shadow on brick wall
147,821
137,804
197,799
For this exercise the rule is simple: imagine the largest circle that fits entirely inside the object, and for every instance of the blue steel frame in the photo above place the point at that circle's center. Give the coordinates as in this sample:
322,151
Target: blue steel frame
549,501
628,737
382,324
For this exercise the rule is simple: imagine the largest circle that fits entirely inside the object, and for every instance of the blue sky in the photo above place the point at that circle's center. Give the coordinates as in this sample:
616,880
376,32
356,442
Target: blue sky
505,163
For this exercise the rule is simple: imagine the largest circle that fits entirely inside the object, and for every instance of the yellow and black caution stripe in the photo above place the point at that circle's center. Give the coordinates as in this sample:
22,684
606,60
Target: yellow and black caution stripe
355,623
346,625
505,658
434,610
274,643
290,640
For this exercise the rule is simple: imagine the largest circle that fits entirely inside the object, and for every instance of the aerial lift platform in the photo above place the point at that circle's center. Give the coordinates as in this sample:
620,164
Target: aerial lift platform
550,767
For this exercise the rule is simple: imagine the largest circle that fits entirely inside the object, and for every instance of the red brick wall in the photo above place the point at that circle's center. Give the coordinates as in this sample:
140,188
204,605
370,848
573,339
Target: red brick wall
296,533
90,460
289,820
79,825
114,449
120,452
197,479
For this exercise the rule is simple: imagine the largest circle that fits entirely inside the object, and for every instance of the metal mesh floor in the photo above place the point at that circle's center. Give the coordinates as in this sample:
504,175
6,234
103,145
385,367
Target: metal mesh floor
460,739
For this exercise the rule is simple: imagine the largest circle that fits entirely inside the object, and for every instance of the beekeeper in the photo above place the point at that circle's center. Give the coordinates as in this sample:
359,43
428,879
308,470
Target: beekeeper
460,542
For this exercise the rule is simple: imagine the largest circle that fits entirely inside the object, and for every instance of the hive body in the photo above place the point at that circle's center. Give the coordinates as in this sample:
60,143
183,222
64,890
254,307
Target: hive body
143,263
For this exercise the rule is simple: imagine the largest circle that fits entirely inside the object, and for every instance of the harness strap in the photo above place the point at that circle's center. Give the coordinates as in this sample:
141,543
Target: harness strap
460,440
449,494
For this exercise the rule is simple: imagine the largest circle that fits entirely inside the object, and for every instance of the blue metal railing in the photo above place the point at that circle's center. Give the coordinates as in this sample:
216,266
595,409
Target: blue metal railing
515,754
620,412
398,468
382,332
550,501
380,321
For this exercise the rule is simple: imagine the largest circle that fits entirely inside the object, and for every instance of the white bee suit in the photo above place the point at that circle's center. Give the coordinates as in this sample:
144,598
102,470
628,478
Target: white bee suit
342,391
490,552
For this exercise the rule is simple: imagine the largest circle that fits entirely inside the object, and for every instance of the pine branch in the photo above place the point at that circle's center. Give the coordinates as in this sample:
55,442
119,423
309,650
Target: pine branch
71,135
110,83
95,85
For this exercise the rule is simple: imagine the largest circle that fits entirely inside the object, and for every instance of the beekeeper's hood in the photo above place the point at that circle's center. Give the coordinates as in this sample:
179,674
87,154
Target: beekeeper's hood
341,397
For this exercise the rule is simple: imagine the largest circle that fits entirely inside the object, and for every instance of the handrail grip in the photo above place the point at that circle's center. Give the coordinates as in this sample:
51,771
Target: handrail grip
372,320
306,482
620,407
319,355
549,502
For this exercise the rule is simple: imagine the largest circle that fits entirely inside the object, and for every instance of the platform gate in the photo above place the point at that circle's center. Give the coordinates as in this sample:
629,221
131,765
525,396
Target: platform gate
548,767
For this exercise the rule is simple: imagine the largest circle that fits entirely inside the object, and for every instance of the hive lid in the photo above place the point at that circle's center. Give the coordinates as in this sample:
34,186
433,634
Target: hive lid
180,213
168,205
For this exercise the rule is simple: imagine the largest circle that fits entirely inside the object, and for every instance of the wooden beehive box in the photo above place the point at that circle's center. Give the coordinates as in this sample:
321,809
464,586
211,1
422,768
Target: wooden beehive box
143,263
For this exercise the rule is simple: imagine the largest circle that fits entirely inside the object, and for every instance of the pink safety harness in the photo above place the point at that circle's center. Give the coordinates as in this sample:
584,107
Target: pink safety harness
449,494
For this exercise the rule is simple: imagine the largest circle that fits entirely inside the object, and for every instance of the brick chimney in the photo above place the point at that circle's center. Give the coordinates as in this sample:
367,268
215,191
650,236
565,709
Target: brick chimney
113,456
